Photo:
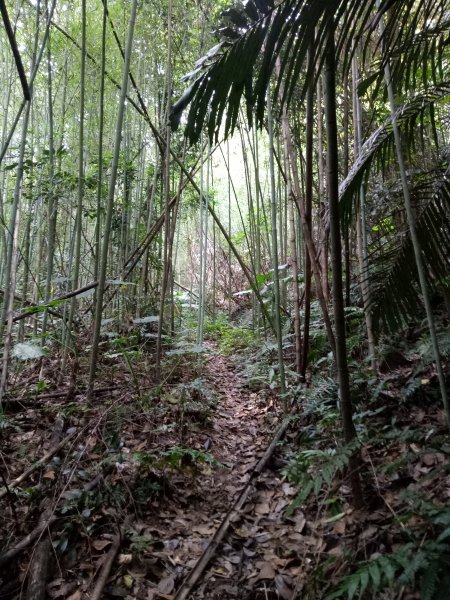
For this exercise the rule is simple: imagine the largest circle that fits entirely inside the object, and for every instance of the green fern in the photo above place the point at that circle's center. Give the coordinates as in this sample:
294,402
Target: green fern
401,568
312,470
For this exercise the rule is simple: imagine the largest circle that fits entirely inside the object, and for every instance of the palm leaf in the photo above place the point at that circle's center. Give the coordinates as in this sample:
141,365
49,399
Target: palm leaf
394,284
242,69
381,140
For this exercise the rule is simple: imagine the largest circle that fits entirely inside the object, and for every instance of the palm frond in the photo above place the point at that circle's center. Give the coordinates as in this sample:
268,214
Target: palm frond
256,34
394,284
382,138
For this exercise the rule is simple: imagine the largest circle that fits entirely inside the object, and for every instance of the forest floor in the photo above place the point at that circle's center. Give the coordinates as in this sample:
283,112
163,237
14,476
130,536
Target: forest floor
158,474
134,485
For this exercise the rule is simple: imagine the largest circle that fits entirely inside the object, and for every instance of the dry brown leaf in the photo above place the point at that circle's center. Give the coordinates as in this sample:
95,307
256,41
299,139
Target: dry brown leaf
124,559
336,551
263,537
281,504
49,475
282,588
369,532
288,490
340,526
262,509
75,596
203,529
429,459
267,571
300,522
166,585
58,589
101,544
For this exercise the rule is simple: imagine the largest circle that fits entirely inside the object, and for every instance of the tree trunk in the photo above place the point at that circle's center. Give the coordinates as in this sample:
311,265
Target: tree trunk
276,281
110,201
336,257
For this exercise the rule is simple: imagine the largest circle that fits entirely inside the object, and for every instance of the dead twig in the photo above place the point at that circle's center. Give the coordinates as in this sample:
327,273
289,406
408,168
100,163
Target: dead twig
47,519
44,522
38,572
60,394
106,568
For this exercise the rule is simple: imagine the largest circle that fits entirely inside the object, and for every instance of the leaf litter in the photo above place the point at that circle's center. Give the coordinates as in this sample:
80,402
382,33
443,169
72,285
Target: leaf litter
169,466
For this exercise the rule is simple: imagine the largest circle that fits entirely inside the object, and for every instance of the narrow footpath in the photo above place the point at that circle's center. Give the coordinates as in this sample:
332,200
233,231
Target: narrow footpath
250,562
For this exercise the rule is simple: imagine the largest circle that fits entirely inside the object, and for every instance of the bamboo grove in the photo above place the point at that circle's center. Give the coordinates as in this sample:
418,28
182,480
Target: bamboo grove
274,155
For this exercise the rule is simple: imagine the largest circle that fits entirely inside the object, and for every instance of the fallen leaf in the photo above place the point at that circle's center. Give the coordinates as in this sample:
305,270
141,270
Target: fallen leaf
267,571
262,537
203,529
282,588
75,596
124,559
128,581
101,544
49,475
300,522
340,527
369,532
62,589
166,585
429,459
262,509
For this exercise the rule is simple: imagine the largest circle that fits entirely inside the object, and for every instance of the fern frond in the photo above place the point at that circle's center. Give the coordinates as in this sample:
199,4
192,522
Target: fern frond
430,581
400,568
380,142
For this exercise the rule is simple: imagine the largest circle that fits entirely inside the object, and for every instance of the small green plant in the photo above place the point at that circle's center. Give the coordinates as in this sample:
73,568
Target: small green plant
228,337
175,458
422,563
311,470
429,565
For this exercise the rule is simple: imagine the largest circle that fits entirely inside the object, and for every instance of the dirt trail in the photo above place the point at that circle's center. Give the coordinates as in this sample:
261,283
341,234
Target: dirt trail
239,434
249,563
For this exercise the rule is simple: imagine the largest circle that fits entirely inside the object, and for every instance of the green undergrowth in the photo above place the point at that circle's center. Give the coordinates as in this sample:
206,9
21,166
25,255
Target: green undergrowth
400,541
229,338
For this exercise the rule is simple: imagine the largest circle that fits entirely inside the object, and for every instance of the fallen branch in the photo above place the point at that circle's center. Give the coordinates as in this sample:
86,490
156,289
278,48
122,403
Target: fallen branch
60,394
47,519
106,568
45,522
42,461
233,514
38,572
